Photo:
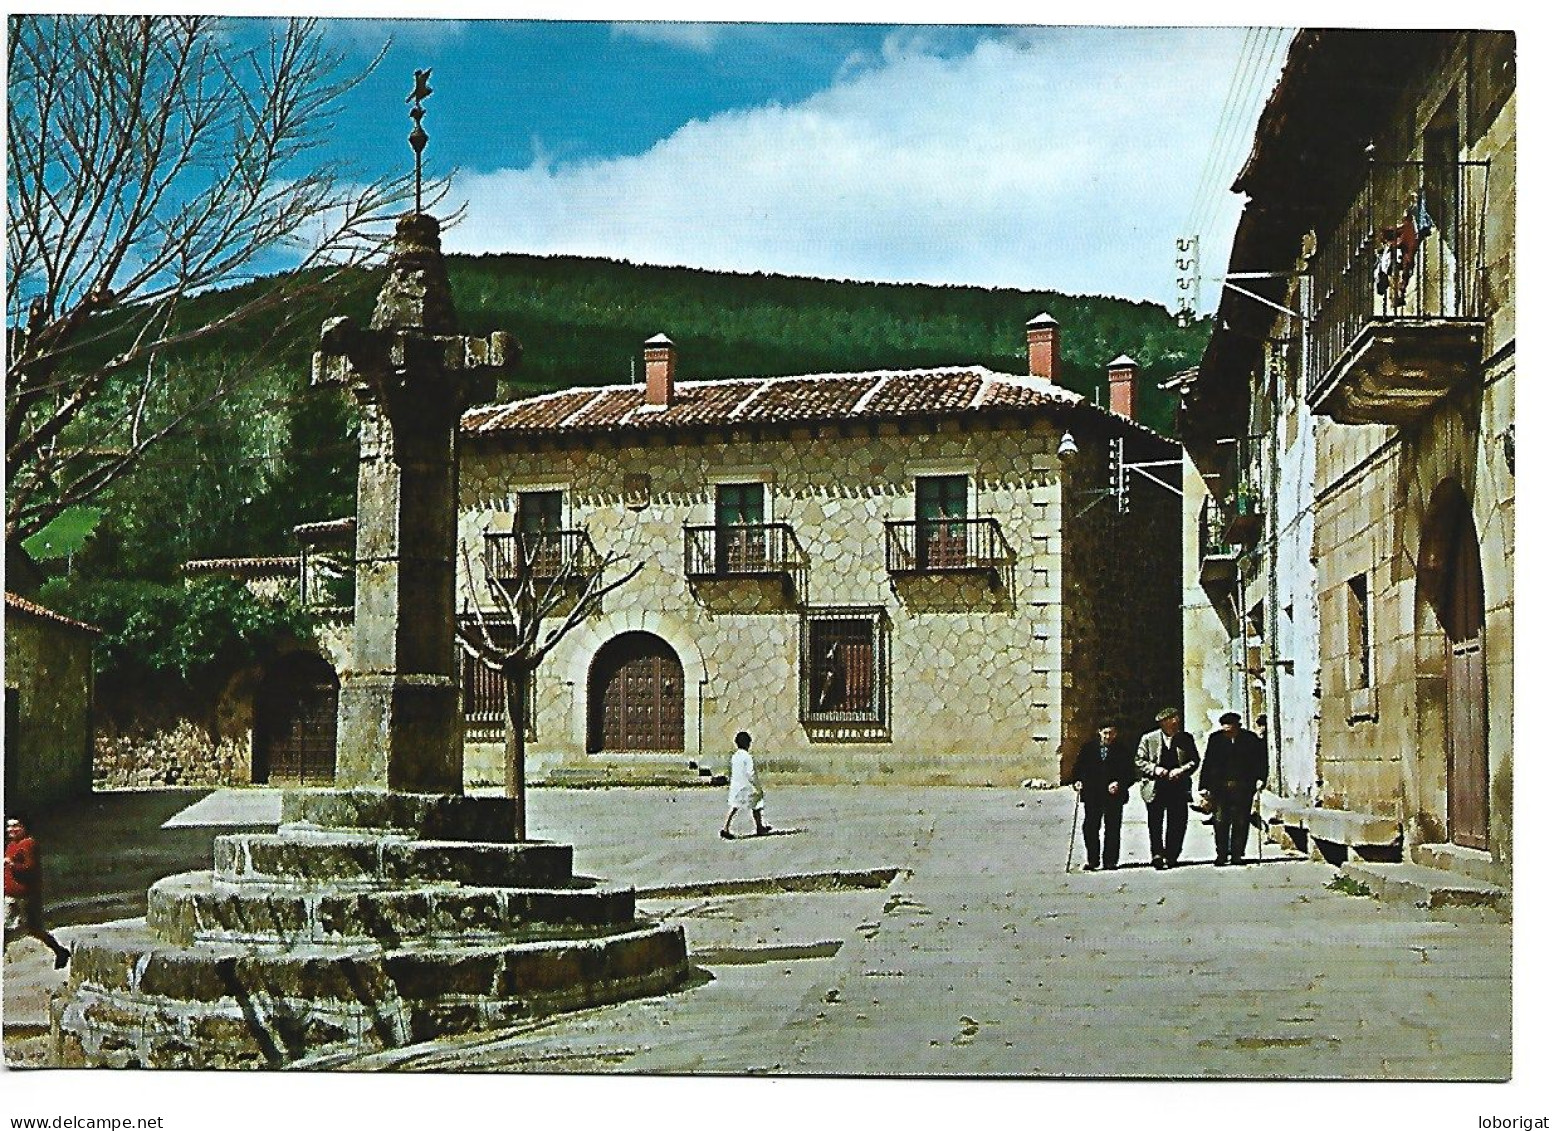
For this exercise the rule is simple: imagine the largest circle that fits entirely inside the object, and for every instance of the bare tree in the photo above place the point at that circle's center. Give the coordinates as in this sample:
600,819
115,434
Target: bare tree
152,159
555,583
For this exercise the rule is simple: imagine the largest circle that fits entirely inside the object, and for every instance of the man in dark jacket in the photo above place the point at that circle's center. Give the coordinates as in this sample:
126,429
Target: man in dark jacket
1233,771
1166,759
1102,776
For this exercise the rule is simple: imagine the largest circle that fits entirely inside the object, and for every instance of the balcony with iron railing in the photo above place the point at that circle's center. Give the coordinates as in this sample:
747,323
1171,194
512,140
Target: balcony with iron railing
1243,516
947,545
742,550
548,555
1397,307
1218,557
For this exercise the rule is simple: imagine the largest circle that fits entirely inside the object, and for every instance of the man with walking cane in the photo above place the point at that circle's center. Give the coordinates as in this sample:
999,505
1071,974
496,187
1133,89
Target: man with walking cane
1102,775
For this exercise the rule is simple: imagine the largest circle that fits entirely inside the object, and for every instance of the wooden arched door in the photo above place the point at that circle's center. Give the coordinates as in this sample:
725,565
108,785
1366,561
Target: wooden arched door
295,722
636,695
1451,568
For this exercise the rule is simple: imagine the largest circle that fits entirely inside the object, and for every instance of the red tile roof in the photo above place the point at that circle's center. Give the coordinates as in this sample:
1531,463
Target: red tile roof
814,398
334,530
244,567
23,605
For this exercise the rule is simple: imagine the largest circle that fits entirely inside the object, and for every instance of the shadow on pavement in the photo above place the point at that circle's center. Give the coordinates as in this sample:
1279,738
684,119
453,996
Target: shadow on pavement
102,852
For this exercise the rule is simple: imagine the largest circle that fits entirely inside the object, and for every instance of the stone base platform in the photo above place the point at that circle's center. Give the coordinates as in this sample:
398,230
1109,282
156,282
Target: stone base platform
365,923
1335,835
1437,894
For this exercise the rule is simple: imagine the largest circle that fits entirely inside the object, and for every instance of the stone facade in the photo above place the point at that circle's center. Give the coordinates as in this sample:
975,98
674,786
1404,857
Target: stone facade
212,743
1213,681
48,693
1392,443
989,679
182,754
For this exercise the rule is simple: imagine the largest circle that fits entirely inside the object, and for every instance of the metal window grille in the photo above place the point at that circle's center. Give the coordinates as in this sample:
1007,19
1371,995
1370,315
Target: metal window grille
482,692
844,665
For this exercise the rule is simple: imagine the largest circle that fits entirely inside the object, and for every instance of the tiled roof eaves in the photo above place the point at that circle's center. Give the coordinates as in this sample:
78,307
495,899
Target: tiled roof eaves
250,567
740,402
334,526
32,608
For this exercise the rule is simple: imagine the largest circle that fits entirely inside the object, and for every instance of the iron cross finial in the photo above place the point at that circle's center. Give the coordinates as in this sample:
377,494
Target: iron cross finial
419,137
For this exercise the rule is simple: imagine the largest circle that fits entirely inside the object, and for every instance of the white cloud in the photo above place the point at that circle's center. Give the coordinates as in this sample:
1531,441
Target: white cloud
693,37
1063,160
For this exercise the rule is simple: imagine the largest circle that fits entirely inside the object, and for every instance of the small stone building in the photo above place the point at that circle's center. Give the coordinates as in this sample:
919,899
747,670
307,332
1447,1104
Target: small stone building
897,576
48,705
1356,427
273,722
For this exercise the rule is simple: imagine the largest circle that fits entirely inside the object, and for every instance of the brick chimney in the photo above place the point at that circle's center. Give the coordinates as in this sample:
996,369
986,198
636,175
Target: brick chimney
660,370
1123,387
1044,334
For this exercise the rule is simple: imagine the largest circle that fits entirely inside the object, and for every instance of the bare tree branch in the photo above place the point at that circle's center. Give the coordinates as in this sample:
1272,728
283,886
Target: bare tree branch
152,159
571,589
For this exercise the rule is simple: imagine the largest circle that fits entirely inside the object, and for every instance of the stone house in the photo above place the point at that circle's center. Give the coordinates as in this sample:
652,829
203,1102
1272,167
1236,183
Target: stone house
1352,430
900,576
272,722
48,705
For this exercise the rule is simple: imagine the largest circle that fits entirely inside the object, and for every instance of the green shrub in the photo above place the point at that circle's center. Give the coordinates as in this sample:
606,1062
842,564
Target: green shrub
1347,885
191,631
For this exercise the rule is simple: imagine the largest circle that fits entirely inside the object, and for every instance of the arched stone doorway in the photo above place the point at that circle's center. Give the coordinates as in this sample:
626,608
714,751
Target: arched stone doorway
636,696
295,722
1450,580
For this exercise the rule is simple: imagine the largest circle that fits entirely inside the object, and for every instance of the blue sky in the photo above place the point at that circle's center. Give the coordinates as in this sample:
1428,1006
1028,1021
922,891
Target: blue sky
1066,158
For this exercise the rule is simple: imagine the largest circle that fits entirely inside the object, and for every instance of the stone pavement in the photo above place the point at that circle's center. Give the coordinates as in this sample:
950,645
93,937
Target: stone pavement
981,956
984,958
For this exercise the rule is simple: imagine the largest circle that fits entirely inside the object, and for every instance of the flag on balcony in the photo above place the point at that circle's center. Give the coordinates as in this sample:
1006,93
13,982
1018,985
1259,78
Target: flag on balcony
1407,242
1421,219
1416,225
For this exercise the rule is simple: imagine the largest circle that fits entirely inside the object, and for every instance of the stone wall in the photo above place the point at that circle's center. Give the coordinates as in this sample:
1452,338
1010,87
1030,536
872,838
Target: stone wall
1122,645
183,753
1209,680
198,743
48,673
1383,748
975,679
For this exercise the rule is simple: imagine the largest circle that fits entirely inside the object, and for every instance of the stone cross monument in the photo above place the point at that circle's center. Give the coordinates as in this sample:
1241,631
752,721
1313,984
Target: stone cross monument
386,911
413,374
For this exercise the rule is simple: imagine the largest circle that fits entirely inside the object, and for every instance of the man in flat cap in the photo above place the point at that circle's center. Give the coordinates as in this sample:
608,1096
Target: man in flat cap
1166,759
1232,775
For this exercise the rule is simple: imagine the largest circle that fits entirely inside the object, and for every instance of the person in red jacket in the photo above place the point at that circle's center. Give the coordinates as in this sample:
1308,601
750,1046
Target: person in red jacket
24,891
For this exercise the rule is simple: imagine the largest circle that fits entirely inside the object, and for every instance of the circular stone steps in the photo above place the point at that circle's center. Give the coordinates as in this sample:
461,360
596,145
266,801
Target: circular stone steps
140,1001
421,816
367,921
199,907
365,859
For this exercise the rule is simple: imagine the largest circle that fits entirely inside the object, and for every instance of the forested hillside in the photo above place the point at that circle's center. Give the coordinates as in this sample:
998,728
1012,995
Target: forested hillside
282,453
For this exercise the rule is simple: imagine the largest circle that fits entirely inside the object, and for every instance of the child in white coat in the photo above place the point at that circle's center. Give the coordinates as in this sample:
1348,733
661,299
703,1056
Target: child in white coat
745,793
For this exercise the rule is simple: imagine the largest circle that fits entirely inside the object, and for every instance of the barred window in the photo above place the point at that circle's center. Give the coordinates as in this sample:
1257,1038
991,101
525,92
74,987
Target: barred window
844,669
481,690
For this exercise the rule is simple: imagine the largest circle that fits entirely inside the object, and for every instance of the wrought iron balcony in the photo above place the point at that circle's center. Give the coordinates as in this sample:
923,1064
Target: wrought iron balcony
947,545
759,549
1398,307
1243,517
547,555
1217,556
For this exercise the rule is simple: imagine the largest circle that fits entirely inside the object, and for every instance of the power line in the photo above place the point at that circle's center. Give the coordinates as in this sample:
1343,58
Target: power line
1248,89
1223,115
